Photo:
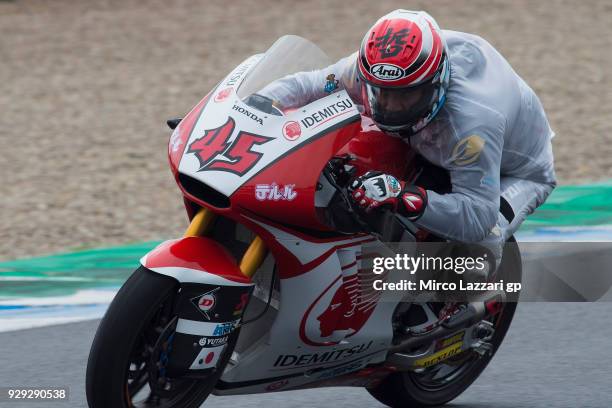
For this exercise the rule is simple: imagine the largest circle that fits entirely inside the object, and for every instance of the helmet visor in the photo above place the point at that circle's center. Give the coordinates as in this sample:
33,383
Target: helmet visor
398,108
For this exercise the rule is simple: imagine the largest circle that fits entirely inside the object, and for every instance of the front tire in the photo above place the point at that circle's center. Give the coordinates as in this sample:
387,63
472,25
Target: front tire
119,369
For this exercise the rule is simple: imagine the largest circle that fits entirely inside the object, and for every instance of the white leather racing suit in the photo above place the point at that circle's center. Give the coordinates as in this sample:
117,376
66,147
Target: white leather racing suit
492,135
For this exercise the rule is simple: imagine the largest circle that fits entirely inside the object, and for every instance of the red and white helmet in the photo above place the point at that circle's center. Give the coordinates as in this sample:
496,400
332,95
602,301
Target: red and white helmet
403,63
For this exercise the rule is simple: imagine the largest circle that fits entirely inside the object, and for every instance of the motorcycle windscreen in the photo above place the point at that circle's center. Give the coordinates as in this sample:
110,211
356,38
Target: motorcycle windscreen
290,54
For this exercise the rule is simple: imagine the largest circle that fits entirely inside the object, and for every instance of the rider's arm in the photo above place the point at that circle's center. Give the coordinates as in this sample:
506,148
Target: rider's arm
470,211
301,88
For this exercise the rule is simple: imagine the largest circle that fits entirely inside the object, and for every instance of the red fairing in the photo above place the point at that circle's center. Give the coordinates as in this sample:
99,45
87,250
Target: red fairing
288,265
376,150
180,136
300,169
199,253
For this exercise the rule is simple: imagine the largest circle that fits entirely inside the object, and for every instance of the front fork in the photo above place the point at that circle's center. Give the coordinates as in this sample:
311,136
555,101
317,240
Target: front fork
252,258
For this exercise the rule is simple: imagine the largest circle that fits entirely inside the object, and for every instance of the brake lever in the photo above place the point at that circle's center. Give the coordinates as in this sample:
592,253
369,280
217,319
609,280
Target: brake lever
337,166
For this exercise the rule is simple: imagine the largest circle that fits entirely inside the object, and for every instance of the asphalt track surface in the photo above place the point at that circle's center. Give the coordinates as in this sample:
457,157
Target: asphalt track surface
555,355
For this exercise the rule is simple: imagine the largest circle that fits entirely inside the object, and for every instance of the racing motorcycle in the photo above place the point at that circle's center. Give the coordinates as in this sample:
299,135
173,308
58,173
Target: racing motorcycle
266,291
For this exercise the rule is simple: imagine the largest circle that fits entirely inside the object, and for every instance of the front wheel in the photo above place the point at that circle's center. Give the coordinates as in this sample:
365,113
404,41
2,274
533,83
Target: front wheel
128,357
445,381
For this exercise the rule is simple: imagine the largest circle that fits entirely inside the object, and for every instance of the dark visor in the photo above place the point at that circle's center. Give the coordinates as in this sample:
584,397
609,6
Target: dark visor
401,107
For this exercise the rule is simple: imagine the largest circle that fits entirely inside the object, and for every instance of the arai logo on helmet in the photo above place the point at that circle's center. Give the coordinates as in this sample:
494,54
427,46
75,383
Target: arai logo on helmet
386,72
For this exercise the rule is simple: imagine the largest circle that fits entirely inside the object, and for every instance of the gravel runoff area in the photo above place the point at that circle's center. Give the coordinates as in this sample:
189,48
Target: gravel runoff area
85,88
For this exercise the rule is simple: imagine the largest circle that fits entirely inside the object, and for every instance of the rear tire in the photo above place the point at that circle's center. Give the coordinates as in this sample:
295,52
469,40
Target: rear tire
403,390
124,332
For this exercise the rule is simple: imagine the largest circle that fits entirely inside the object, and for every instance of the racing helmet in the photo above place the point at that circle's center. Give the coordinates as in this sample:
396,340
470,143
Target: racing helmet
404,68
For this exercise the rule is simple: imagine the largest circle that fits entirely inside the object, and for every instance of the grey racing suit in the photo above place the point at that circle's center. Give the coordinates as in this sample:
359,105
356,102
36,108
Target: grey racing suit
492,136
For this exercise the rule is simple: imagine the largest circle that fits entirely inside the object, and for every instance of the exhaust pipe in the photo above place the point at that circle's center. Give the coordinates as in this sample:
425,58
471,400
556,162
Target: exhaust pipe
475,311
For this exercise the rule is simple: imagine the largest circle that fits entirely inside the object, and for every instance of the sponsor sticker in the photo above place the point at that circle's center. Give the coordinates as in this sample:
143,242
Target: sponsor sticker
175,140
223,94
205,303
212,341
301,360
331,83
329,112
225,328
439,356
451,340
386,72
248,114
235,76
292,130
467,151
207,358
274,192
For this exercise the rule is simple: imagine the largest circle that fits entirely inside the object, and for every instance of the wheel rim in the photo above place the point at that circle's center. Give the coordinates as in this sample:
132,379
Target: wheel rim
446,373
141,372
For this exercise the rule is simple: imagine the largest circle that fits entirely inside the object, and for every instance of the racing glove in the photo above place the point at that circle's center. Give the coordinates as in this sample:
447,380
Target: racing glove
376,190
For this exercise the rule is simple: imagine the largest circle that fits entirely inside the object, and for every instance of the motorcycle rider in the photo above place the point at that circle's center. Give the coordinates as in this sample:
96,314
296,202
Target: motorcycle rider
461,107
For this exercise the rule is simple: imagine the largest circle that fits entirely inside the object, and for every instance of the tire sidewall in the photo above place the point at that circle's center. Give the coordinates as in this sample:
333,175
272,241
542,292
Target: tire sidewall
128,314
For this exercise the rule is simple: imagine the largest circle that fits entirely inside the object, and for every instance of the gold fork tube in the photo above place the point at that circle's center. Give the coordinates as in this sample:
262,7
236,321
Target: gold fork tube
200,223
253,257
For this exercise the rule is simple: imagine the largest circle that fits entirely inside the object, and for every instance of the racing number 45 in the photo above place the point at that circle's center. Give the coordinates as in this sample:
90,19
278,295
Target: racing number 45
214,151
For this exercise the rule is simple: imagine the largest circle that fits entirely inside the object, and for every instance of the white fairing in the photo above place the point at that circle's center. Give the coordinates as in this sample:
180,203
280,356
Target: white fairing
197,328
304,299
186,275
313,119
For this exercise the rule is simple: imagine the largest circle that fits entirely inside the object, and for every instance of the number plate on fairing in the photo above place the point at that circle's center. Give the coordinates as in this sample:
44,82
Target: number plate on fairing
232,142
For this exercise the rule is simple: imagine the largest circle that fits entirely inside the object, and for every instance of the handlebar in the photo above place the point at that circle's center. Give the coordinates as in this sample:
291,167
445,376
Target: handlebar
339,173
334,172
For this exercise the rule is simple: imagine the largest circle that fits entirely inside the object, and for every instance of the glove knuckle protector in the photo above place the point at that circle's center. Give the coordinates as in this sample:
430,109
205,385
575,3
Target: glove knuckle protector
413,202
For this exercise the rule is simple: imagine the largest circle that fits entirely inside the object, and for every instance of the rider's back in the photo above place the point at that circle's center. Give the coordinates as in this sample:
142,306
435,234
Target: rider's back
486,92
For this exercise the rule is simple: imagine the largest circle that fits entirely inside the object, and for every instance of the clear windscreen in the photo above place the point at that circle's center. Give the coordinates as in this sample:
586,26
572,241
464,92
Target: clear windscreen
288,55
